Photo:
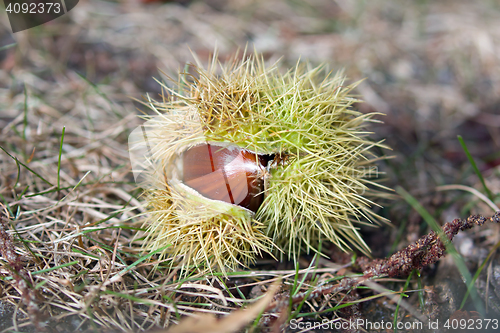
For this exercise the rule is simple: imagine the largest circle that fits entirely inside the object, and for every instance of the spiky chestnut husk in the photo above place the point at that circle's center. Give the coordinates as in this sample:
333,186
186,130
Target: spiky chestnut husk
203,234
314,185
190,229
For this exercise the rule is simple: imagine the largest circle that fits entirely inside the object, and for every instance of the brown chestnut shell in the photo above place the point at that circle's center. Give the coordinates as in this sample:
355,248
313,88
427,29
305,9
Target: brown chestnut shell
226,173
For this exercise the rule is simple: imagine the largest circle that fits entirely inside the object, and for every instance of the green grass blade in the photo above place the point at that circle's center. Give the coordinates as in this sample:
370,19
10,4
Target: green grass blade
6,205
25,243
225,287
420,291
480,269
102,94
54,268
295,280
450,248
407,283
141,259
27,167
177,315
476,169
8,46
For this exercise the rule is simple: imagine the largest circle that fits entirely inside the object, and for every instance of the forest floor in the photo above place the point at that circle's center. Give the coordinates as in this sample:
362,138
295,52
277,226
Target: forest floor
72,208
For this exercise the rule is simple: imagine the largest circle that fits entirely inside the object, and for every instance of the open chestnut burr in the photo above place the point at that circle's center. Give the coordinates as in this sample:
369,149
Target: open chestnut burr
243,159
227,173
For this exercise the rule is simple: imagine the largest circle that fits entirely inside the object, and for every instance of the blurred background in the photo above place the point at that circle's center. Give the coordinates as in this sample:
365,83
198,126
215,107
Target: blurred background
430,68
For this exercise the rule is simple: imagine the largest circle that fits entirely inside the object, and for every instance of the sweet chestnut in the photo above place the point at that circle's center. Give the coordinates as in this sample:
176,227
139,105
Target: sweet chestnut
226,173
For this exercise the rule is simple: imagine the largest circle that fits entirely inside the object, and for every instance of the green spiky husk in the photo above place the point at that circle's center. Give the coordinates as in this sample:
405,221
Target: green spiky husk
203,234
312,195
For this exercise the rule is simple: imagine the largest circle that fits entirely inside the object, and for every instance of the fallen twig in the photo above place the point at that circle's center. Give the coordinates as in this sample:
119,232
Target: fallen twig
425,251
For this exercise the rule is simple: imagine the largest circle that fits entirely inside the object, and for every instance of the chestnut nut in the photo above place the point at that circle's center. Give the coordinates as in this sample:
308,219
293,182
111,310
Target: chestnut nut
226,173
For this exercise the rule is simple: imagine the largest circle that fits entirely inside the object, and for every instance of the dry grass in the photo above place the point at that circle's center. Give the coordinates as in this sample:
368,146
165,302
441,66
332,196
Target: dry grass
433,68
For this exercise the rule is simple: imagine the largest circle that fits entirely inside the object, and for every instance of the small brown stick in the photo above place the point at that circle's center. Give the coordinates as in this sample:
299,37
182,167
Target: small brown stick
21,280
425,251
